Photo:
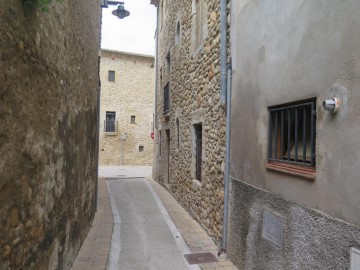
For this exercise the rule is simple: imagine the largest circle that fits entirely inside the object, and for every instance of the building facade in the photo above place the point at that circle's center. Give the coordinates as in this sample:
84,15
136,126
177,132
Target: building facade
294,184
48,131
126,108
190,122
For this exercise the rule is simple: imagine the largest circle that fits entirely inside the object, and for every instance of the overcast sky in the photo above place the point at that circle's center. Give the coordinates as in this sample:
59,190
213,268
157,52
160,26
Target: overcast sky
134,33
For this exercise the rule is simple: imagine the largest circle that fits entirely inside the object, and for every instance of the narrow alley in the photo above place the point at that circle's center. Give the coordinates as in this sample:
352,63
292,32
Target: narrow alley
150,229
179,135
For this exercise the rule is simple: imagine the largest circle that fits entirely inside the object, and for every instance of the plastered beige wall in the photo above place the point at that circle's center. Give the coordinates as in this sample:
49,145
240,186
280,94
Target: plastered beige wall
132,93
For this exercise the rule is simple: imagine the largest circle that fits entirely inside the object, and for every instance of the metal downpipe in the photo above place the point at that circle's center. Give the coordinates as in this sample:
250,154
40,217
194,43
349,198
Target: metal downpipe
156,68
227,158
225,103
223,52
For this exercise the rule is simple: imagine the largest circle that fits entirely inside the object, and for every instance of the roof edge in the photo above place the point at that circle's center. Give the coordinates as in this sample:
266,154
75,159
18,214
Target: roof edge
128,53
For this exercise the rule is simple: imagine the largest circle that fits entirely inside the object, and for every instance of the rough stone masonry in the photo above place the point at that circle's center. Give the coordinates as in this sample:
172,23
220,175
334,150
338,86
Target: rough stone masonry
189,62
48,130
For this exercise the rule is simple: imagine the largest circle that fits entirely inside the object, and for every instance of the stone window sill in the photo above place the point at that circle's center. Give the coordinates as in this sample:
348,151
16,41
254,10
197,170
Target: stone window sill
297,170
110,133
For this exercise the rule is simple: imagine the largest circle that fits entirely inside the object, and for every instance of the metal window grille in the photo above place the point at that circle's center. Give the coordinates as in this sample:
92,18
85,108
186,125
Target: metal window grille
292,131
111,76
110,124
166,98
198,150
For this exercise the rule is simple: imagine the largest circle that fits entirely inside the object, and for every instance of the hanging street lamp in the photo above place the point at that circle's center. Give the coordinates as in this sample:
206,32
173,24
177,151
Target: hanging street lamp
119,12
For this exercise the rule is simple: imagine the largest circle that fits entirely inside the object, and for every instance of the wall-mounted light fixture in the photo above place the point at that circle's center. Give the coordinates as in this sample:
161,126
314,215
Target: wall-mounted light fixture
331,105
119,12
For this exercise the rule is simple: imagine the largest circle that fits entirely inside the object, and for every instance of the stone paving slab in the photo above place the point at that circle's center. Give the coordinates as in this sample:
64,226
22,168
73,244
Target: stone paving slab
94,252
194,236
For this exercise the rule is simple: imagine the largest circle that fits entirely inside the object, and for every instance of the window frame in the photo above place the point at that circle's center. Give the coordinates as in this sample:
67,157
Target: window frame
110,79
291,131
198,149
166,93
108,117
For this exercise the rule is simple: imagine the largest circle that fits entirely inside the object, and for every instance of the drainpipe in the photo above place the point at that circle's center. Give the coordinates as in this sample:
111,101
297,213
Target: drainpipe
227,158
223,51
225,99
155,124
156,67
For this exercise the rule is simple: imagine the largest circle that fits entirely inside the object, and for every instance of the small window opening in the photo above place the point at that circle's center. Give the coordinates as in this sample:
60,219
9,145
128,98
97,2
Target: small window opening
141,148
198,150
166,98
111,76
292,130
160,143
110,123
177,36
132,119
168,62
178,132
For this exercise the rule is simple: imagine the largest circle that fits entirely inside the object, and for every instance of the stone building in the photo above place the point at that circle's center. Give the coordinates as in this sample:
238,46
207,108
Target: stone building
294,183
126,108
48,131
190,122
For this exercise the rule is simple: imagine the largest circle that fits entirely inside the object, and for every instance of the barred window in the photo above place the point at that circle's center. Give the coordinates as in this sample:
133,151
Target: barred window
292,131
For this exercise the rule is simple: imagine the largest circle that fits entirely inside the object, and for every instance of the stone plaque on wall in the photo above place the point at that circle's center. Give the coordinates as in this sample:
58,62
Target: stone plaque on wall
272,229
355,259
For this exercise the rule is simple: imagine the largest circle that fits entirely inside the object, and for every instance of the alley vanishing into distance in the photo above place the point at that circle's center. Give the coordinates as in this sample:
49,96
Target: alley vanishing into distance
179,134
150,229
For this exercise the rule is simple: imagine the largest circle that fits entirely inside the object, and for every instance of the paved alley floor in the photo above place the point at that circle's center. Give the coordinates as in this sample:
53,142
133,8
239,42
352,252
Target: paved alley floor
144,235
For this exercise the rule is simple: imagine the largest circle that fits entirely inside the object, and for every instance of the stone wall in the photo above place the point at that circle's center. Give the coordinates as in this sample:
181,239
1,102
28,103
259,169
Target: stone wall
131,94
48,127
194,79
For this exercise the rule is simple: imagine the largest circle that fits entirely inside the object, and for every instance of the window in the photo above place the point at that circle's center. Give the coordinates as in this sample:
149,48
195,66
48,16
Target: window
161,77
141,148
132,119
178,132
200,21
177,35
166,98
198,150
160,143
292,130
110,124
168,64
111,76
